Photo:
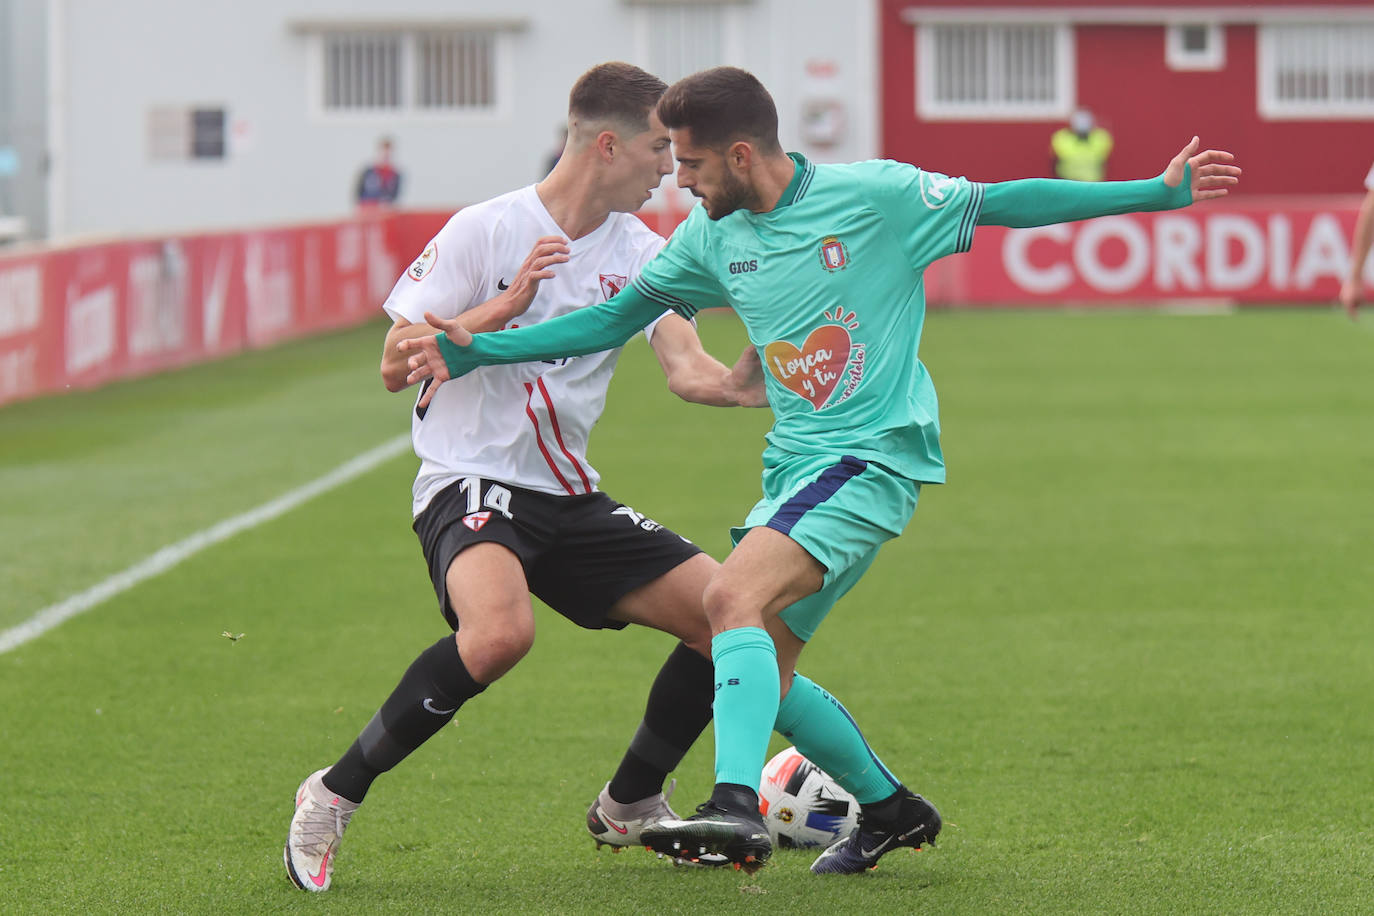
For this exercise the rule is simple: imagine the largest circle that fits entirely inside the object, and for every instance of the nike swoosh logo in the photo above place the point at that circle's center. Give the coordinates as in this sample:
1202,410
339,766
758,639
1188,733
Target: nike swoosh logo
318,880
428,704
876,850
502,284
612,824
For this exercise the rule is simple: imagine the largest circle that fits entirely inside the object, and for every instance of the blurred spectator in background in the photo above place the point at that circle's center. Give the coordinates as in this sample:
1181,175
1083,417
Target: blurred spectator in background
557,152
380,182
1359,248
1081,149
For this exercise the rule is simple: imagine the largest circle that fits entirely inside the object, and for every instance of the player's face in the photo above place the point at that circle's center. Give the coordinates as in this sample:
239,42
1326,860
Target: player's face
707,174
647,158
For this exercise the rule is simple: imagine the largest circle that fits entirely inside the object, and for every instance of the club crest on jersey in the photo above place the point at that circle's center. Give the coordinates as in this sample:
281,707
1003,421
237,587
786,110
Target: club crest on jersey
612,284
424,263
476,520
834,254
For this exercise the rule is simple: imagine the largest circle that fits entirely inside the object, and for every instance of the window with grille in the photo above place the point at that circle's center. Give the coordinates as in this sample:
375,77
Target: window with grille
433,70
362,71
1008,71
1316,71
455,70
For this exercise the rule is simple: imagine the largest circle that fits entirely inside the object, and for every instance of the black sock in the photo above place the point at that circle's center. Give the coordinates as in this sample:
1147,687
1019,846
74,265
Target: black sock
678,711
425,700
735,798
886,811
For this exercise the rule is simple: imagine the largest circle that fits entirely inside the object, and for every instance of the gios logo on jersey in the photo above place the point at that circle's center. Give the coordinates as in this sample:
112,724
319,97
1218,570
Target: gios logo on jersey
938,190
829,360
424,263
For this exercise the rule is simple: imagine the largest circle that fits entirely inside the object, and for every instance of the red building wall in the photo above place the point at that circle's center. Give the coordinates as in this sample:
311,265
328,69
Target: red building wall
1151,111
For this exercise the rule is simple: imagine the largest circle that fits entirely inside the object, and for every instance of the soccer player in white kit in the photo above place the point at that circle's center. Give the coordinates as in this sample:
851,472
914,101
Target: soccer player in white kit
506,503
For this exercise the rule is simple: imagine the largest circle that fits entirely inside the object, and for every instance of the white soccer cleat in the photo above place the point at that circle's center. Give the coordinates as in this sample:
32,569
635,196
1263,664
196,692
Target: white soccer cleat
620,826
316,832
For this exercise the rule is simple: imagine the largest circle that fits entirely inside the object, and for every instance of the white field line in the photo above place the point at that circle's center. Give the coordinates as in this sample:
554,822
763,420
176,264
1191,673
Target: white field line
173,554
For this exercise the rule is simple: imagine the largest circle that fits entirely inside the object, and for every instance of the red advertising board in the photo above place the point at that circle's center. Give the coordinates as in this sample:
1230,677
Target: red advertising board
26,333
1275,250
79,316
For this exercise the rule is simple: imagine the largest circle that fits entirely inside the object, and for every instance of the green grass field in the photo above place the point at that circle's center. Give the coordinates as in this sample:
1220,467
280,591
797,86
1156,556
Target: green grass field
1127,650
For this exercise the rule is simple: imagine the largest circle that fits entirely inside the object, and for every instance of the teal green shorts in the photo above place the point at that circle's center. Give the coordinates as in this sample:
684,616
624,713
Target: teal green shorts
840,510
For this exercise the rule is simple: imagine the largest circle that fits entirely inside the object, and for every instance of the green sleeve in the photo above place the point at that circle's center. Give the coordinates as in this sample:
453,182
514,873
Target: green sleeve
587,330
1044,201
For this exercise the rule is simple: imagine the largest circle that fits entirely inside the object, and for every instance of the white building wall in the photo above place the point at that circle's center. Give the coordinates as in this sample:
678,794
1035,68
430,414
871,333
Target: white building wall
288,160
23,118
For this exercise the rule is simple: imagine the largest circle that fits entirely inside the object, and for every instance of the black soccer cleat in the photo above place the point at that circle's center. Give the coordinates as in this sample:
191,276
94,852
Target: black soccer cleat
712,831
916,823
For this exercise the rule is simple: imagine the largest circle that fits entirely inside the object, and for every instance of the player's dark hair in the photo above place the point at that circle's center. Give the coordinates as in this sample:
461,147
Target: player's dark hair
615,91
720,106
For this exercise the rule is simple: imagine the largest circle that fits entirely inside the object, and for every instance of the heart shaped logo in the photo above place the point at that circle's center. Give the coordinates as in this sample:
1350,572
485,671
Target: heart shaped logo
815,369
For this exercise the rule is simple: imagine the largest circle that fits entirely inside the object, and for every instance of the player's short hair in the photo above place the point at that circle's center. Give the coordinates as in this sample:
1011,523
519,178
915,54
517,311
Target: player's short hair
720,106
618,92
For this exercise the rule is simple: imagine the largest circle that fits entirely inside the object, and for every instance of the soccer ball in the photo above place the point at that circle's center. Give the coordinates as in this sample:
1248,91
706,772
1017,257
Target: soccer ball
802,805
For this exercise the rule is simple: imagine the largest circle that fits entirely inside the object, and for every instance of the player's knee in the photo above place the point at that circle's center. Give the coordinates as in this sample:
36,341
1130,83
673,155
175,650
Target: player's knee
512,645
490,653
721,601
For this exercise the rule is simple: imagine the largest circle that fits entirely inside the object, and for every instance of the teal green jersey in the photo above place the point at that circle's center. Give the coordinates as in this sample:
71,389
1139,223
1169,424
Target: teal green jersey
829,286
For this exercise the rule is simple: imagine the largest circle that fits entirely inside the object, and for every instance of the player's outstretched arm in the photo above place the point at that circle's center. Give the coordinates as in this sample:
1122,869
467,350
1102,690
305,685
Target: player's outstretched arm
697,376
1190,176
587,330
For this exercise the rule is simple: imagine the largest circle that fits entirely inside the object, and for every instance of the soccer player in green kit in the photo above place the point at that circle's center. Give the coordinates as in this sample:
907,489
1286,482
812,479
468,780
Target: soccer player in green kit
823,263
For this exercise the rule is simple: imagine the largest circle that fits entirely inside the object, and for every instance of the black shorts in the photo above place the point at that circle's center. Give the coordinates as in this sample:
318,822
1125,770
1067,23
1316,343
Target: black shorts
581,554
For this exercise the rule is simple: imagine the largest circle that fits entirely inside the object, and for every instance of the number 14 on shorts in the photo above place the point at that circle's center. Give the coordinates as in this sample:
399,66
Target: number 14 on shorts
497,497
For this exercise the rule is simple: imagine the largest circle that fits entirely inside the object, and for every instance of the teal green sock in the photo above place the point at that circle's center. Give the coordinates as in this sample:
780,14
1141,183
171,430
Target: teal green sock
822,729
746,703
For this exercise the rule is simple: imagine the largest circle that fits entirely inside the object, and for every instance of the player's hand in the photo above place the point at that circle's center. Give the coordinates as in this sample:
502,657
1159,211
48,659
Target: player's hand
1212,173
426,360
547,251
448,325
746,379
1350,297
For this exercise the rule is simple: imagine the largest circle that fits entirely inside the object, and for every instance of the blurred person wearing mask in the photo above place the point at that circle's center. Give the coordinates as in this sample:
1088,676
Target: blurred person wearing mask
1081,149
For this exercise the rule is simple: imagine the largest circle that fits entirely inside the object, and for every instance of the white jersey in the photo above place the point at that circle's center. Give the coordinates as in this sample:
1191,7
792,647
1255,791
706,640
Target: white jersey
525,424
